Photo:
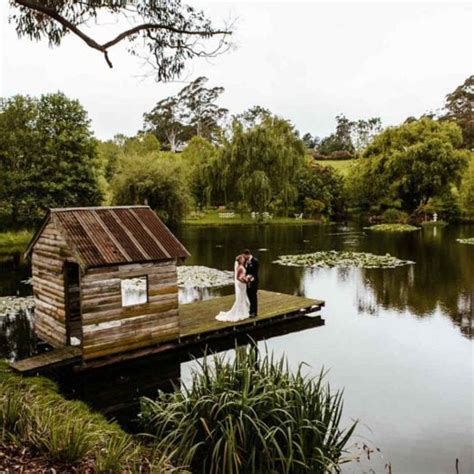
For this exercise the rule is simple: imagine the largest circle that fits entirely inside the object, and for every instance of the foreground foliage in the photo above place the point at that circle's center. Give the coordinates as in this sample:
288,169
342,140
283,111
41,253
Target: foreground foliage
392,228
334,258
250,415
166,34
35,416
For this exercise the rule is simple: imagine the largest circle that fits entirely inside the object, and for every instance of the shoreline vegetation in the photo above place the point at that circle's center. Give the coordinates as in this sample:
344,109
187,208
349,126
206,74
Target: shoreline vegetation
211,218
255,394
250,413
48,431
14,241
392,228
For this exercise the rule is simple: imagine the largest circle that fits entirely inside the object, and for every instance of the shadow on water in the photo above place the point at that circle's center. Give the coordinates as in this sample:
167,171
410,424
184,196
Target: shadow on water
116,390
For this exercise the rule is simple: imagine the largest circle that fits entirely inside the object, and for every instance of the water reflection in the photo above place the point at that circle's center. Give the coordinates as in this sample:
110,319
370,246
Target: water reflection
17,339
442,278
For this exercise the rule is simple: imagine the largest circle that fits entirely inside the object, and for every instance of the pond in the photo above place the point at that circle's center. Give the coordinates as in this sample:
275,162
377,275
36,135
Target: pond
399,341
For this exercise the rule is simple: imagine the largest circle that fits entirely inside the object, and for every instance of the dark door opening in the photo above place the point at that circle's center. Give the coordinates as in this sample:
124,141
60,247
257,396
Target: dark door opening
72,288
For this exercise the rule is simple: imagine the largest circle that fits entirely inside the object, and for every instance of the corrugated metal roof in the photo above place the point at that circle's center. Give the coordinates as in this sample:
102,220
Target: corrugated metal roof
114,235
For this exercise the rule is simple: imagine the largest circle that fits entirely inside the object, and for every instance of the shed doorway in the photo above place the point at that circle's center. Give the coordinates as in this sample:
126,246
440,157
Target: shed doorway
72,289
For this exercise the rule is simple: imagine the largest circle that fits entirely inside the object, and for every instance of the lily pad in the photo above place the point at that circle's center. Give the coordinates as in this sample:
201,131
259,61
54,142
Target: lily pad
197,276
13,304
392,228
335,258
469,241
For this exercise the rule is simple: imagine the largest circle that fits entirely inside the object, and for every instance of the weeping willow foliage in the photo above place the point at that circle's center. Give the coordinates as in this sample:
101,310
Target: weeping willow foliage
250,415
258,165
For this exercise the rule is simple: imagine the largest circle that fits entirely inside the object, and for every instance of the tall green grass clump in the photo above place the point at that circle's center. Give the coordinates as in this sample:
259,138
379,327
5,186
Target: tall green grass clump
33,414
250,414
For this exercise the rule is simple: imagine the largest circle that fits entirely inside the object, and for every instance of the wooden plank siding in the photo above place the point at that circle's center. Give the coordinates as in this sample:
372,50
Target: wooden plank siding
109,328
48,256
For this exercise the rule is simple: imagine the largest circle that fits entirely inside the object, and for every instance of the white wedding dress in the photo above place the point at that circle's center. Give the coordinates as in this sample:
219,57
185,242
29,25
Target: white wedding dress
241,307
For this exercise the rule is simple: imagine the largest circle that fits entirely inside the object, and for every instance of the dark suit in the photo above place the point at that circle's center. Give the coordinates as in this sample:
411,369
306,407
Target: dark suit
252,286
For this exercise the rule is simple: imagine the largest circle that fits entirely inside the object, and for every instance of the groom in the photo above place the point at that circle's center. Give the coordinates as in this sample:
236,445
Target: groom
251,267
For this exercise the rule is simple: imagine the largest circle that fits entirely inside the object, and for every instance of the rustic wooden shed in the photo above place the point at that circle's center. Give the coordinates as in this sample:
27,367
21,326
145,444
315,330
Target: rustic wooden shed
105,280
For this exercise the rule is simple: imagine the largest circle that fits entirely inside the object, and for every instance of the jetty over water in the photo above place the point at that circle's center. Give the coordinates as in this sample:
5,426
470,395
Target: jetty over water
197,325
105,289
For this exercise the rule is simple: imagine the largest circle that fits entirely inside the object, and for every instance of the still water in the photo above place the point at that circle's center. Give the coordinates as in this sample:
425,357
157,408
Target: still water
398,341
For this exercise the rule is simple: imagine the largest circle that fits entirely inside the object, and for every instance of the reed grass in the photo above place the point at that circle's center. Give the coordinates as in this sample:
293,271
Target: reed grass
250,414
34,414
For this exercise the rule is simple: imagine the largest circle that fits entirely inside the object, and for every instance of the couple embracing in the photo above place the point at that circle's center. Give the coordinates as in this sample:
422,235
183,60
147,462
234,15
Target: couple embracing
246,287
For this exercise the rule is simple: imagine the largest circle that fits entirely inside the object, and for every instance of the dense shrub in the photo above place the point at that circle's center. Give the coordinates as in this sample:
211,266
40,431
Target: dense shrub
394,216
158,180
335,155
320,191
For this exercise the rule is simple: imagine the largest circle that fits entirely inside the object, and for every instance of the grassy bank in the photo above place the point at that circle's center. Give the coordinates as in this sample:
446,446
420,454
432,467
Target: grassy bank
343,166
212,218
14,241
64,433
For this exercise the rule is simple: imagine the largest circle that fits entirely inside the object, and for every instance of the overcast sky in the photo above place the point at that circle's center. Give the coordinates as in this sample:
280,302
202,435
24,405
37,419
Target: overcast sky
305,61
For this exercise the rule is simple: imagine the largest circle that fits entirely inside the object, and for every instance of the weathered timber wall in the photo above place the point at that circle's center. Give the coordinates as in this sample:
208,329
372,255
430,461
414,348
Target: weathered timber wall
47,261
109,328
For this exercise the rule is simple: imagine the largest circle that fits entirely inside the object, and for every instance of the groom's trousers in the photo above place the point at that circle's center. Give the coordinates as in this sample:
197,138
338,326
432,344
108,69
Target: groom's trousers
252,295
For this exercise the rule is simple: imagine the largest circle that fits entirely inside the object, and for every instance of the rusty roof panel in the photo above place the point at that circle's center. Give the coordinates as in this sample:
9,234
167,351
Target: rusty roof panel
161,233
98,236
78,235
145,239
116,228
115,235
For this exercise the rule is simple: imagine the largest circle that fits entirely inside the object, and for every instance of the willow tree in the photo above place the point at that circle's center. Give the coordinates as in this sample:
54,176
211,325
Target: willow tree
165,33
258,166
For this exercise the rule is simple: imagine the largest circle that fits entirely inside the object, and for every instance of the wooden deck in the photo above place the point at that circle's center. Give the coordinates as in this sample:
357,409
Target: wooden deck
48,360
197,324
199,319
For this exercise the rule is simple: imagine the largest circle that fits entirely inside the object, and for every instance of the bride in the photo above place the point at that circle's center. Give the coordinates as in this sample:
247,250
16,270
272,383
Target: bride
241,307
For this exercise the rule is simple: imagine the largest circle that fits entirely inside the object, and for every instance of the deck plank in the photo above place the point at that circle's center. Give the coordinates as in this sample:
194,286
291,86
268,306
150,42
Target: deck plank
54,358
197,323
199,317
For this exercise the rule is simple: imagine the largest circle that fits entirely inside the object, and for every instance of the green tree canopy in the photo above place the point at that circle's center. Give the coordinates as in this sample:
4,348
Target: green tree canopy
340,140
459,109
193,111
467,191
198,156
156,180
47,157
410,164
351,136
320,191
257,166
